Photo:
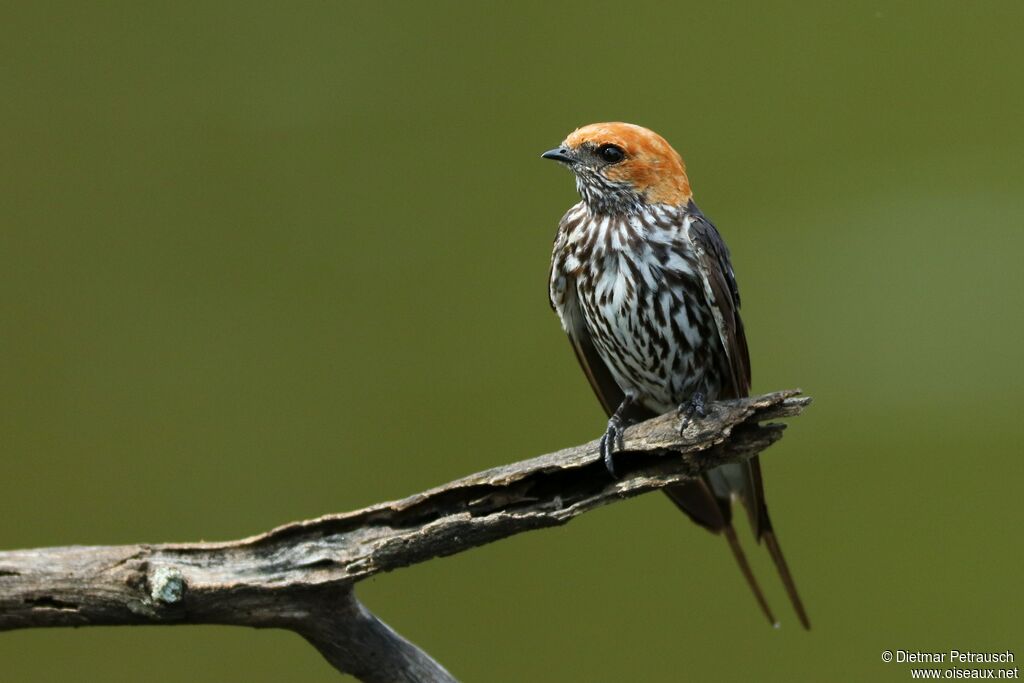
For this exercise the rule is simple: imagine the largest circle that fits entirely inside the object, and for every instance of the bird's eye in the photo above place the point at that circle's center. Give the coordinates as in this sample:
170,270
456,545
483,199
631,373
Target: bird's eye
611,153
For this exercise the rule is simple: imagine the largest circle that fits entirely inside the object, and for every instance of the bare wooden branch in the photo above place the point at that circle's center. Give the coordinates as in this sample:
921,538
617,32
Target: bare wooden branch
301,576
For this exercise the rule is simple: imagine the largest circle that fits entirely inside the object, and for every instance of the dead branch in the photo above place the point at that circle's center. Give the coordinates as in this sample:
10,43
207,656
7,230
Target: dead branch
301,576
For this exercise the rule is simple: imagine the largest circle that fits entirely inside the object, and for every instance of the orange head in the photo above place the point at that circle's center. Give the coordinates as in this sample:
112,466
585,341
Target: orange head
621,167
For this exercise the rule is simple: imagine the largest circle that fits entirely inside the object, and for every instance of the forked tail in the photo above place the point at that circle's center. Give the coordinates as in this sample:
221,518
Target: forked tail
708,502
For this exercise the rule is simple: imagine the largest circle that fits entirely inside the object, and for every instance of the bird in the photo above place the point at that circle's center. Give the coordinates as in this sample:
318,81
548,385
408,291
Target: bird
644,287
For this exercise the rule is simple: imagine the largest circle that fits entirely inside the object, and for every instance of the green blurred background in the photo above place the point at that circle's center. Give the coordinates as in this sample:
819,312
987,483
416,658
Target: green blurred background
264,261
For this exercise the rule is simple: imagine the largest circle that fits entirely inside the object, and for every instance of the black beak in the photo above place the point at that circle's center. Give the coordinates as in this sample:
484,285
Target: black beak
563,154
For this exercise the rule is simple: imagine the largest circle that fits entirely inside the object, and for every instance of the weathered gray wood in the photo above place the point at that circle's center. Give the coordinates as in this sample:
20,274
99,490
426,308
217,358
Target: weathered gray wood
300,576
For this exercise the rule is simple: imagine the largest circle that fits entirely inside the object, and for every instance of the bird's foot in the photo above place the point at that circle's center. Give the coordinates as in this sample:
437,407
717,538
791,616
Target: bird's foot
695,407
610,440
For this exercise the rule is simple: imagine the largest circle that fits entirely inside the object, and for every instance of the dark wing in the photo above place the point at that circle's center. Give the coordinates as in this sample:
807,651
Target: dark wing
713,257
742,480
